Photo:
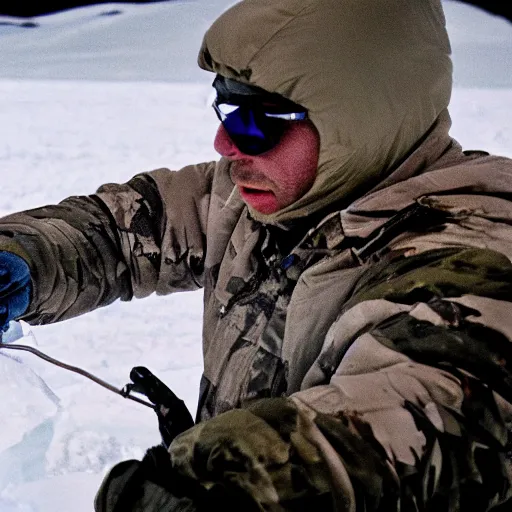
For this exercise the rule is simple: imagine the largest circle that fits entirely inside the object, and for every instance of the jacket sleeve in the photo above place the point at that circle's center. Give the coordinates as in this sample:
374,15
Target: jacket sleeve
413,409
127,240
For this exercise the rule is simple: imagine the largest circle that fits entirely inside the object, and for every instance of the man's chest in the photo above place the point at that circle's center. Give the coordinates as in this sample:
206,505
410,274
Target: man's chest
267,313
263,330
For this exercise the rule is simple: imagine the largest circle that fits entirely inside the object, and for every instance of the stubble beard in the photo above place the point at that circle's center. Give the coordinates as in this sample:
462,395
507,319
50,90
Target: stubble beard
241,172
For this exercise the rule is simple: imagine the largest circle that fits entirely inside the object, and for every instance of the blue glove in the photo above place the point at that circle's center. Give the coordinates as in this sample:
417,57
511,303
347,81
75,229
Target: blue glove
15,287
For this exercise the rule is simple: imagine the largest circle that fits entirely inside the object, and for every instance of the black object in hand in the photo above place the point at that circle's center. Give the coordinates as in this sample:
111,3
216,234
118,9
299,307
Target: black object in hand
173,415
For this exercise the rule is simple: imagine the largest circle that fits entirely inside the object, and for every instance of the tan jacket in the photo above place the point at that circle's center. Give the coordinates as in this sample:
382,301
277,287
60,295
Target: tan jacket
378,314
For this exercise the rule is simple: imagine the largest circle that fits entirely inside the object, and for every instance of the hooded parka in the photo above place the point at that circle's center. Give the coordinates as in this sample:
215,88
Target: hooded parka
357,344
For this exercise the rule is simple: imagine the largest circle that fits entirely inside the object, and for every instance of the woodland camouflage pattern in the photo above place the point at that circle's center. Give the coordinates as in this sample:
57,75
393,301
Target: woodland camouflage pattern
357,358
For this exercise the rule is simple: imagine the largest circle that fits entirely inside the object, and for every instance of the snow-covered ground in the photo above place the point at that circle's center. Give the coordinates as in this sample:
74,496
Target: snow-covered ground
67,138
87,99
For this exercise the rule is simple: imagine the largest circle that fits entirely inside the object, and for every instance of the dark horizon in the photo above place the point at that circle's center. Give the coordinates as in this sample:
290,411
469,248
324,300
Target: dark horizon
30,9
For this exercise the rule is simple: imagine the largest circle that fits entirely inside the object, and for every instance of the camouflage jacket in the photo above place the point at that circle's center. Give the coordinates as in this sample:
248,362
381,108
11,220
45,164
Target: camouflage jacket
378,339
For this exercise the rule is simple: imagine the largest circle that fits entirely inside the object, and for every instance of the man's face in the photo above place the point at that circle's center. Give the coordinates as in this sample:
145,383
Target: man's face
275,179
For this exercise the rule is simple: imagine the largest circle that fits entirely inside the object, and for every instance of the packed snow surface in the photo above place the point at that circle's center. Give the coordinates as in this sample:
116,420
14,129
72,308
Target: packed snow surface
96,95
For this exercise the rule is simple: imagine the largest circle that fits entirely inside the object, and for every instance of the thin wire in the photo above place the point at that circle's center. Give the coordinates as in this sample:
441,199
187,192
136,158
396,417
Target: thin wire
76,369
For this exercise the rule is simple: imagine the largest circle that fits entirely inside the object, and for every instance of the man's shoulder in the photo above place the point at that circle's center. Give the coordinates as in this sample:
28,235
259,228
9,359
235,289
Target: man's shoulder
479,159
475,183
468,173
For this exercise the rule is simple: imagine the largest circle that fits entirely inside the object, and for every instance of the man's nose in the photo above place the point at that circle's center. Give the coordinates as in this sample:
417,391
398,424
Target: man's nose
225,146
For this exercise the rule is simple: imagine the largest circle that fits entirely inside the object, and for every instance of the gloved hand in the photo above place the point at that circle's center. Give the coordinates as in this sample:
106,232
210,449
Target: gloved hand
152,485
149,485
262,451
15,287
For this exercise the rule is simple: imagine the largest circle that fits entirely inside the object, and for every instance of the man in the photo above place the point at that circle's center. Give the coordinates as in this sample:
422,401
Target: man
356,267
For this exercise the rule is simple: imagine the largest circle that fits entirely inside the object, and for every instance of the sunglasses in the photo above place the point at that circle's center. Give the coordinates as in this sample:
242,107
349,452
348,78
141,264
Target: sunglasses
255,128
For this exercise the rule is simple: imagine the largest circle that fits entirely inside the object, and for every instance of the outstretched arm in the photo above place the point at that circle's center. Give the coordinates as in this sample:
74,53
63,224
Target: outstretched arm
124,241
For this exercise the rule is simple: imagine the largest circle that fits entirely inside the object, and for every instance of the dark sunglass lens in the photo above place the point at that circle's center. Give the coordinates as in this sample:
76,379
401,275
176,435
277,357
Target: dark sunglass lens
251,145
249,128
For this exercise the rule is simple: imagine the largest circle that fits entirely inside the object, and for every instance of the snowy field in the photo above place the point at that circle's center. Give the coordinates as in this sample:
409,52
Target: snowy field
109,112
